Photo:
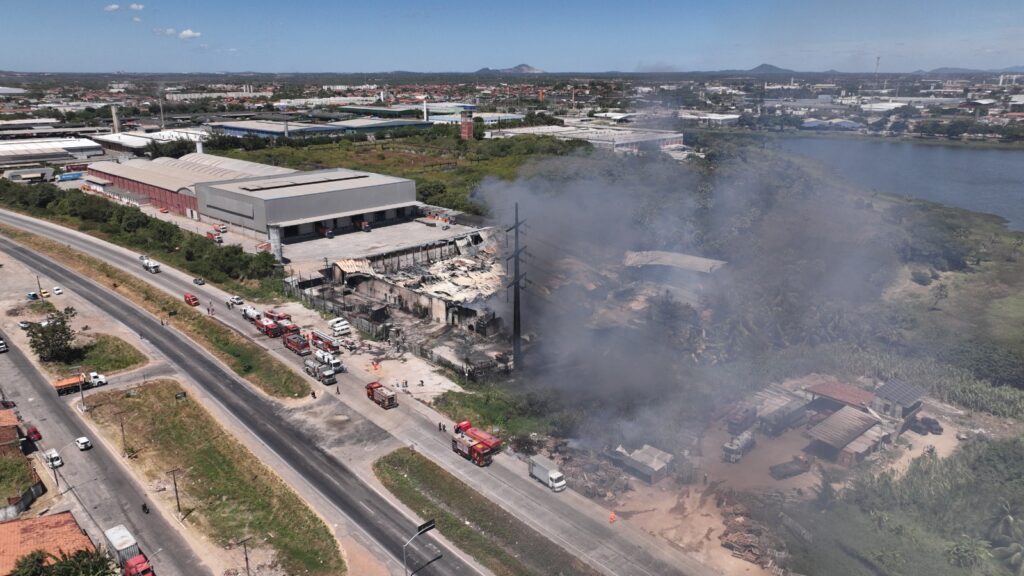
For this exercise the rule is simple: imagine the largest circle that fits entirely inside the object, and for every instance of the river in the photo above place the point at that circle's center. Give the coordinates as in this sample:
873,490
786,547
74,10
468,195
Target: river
989,180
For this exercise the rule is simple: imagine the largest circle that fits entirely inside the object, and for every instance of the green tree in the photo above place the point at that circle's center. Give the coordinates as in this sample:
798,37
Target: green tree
81,563
54,342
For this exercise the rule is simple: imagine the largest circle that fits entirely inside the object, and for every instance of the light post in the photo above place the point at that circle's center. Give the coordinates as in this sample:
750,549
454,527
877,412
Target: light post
421,529
174,478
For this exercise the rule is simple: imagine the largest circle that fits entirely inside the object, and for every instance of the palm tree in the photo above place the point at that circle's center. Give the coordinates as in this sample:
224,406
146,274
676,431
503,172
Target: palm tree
1006,525
1012,555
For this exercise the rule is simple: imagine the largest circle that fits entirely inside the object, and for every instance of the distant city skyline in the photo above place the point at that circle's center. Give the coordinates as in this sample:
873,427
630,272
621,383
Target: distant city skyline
460,36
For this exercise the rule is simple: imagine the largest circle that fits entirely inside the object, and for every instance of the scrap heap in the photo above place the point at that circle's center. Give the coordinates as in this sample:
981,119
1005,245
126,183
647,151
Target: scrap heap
743,536
594,477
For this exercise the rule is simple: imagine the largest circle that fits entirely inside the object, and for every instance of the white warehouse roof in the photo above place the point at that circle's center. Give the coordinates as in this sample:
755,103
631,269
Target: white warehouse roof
187,171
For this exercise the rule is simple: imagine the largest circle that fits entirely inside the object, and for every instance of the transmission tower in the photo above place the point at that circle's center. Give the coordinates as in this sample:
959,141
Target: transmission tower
516,285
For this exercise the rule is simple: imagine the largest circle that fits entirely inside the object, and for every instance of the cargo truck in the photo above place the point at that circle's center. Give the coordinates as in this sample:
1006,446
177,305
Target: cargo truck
322,372
382,395
68,176
738,446
127,553
741,418
151,266
475,444
215,236
296,343
75,383
329,359
547,473
250,313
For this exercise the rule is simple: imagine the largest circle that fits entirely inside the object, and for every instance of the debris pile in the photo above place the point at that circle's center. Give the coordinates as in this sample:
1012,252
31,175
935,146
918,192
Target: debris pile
594,477
743,536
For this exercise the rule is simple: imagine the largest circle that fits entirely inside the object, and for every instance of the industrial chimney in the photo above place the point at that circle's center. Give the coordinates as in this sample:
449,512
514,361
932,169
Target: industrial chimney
426,115
115,120
466,129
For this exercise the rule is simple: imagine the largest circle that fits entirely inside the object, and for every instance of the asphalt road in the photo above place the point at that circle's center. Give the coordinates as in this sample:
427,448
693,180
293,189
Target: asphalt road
105,491
566,518
378,518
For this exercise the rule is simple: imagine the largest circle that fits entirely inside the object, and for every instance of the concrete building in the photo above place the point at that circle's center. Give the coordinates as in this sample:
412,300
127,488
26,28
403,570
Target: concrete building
136,142
300,205
708,118
171,183
616,139
273,129
47,149
485,117
369,125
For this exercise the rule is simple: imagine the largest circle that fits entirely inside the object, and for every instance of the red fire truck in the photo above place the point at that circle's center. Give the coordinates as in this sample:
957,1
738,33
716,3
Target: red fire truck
475,444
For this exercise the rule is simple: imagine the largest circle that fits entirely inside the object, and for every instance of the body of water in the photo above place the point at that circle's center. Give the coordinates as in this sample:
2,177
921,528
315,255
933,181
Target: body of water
989,180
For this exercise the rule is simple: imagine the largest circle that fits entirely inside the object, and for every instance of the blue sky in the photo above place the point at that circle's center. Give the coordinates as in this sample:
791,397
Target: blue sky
554,35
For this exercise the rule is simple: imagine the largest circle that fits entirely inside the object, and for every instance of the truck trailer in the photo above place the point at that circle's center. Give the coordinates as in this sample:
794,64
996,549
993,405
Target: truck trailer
546,471
75,383
127,553
382,395
475,444
738,446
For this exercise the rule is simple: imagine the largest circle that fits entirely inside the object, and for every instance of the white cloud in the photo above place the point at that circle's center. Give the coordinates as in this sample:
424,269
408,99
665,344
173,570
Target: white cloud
136,6
136,19
204,45
188,34
165,31
232,49
111,7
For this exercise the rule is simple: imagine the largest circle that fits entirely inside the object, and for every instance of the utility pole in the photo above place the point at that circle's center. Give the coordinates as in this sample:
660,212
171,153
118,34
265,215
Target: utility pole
39,286
245,550
174,479
516,285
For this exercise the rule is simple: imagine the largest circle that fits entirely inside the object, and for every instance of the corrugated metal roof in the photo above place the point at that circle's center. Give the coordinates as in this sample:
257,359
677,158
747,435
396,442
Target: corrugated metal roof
187,171
845,393
302,183
899,392
673,259
251,168
843,427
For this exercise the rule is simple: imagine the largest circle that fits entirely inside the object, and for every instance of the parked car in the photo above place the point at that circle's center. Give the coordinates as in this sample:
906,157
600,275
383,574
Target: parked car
32,296
8,404
32,433
57,291
3,345
222,228
236,300
932,425
52,458
44,293
24,324
83,443
198,281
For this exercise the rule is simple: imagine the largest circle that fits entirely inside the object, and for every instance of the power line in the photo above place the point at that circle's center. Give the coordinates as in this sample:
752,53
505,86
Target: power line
516,284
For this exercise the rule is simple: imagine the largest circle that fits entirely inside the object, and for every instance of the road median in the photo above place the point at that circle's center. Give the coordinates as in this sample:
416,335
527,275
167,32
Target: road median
496,539
243,357
224,490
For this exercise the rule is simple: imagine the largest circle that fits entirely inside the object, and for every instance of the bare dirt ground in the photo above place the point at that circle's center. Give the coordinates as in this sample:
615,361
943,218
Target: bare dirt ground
685,520
751,472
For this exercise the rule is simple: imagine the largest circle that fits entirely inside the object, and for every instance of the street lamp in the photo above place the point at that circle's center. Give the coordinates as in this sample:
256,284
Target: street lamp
421,529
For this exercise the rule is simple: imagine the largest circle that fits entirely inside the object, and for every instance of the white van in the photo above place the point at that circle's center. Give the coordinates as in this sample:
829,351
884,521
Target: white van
338,320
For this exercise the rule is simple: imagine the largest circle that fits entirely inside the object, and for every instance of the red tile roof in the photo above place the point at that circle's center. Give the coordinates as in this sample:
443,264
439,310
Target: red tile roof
844,393
8,418
53,534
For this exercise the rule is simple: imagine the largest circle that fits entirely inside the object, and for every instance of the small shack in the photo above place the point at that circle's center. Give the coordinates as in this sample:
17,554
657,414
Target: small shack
647,463
839,437
898,399
831,396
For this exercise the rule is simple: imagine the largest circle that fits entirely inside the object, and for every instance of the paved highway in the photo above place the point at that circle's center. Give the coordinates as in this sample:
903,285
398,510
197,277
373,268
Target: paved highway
569,519
104,490
378,518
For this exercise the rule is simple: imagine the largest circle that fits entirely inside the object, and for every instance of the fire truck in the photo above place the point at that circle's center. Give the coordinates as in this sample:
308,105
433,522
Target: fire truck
296,343
268,327
382,395
324,342
475,444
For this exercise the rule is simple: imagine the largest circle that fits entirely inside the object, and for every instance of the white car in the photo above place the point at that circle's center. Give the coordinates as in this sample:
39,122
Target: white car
236,300
57,291
52,458
83,443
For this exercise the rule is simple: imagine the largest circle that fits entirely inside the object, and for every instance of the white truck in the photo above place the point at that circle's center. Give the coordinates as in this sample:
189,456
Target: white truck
127,553
546,471
325,357
151,266
734,450
96,379
322,372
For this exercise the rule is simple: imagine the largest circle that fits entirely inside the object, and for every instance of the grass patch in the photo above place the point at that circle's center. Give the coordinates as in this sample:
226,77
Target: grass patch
15,475
41,307
104,353
242,356
476,525
226,492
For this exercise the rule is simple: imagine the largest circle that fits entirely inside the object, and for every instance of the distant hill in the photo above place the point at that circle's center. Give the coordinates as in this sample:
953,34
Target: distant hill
520,69
953,70
767,69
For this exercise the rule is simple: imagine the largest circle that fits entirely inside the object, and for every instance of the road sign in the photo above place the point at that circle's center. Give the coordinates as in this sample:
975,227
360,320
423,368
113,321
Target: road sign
425,527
